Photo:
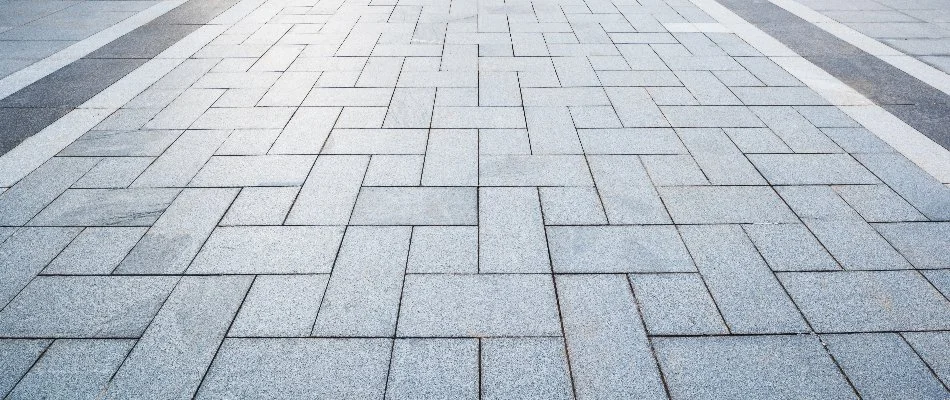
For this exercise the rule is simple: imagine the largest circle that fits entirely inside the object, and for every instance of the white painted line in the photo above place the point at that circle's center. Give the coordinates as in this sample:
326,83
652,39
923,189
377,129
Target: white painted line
26,76
927,154
912,66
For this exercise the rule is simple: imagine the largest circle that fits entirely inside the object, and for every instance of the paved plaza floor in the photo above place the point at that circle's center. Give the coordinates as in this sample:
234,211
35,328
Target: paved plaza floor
460,199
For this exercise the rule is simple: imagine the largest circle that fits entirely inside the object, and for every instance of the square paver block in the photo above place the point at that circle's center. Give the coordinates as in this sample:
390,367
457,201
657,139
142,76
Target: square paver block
434,369
865,301
298,368
924,244
87,306
478,306
73,368
534,170
812,169
280,305
268,249
750,367
106,207
588,249
415,206
525,368
271,170
883,366
725,205
677,304
443,249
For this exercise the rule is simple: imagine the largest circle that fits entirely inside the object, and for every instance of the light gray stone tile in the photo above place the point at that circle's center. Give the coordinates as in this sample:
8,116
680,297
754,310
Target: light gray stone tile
631,141
478,117
443,249
451,158
572,206
511,235
762,367
434,368
142,143
635,108
248,142
779,96
171,358
363,301
883,366
25,253
280,305
268,249
73,368
376,141
307,131
934,349
613,360
266,170
185,109
710,117
827,117
498,88
478,306
173,241
362,118
812,169
415,206
410,108
328,195
677,304
673,170
757,140
323,368
721,161
878,203
40,188
114,172
360,97
725,205
857,140
560,97
750,299
260,206
591,249
913,184
595,117
865,301
790,247
796,131
85,306
102,207
180,162
503,141
96,251
534,170
394,170
19,356
924,244
525,368
551,131
626,191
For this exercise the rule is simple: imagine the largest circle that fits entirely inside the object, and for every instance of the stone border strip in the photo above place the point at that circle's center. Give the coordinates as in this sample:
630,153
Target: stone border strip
903,134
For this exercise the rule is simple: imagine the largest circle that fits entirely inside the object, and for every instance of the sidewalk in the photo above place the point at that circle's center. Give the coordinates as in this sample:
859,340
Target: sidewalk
472,199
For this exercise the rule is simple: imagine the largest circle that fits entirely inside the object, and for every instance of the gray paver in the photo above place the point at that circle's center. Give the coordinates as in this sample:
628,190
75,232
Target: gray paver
790,247
615,360
362,301
96,251
451,158
478,306
924,244
572,206
415,206
114,172
588,249
19,356
328,195
106,207
719,158
272,170
878,203
626,191
73,368
883,366
934,349
25,253
868,301
171,358
260,206
394,170
725,204
269,249
677,304
84,306
333,368
912,183
443,249
142,143
533,170
434,368
631,141
280,305
765,367
811,169
525,368
511,231
40,188
182,160
376,141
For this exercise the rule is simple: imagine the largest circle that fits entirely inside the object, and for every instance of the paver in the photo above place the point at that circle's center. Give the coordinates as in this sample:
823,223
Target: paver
443,249
677,304
790,247
19,355
268,249
280,305
97,250
725,205
511,231
80,367
882,365
526,368
333,183
415,206
598,249
932,348
273,170
24,254
260,206
431,368
626,191
37,190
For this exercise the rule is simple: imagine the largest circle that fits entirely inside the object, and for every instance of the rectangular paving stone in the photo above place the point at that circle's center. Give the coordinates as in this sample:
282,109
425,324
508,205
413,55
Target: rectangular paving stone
673,170
478,306
812,169
96,251
882,365
868,301
335,97
631,141
478,117
750,299
533,170
572,206
107,207
614,249
710,117
451,158
280,305
85,306
376,141
635,108
268,250
443,249
615,360
779,96
185,109
626,191
141,143
719,158
795,130
924,244
114,173
298,367
560,97
525,368
415,206
171,358
266,170
260,206
182,160
725,205
363,296
394,170
434,368
24,254
878,203
934,349
677,304
410,108
551,131
328,195
913,184
511,231
307,131
244,118
173,241
19,357
790,247
40,188
73,368
762,367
